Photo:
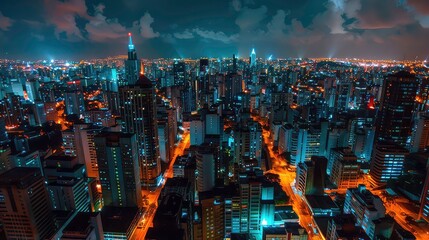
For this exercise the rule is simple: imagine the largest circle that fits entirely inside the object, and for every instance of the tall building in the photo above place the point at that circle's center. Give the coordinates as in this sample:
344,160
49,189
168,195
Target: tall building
345,168
73,100
79,142
212,210
302,143
387,162
397,106
138,111
66,185
179,73
424,199
253,58
196,130
248,142
119,169
233,87
132,64
344,90
310,176
164,140
420,134
364,206
205,169
25,210
250,200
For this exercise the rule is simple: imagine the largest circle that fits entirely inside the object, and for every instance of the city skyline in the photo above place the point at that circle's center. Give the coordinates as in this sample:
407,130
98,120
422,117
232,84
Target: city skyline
211,120
76,29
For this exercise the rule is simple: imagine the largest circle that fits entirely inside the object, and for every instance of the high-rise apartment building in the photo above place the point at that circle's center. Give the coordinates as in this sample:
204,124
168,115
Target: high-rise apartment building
310,176
66,184
205,169
345,168
119,169
387,162
138,112
365,207
397,106
25,210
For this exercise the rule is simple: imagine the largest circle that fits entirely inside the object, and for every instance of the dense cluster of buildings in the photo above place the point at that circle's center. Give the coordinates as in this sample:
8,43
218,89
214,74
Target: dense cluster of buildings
84,145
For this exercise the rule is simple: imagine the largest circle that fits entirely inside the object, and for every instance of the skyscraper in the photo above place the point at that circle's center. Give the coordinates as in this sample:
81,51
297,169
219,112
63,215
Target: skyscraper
397,106
118,168
25,210
345,168
205,169
65,181
132,64
310,176
387,162
179,72
138,111
253,58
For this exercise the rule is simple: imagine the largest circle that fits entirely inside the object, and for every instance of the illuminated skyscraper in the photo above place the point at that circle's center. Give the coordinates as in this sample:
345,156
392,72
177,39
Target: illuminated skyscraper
179,72
387,162
253,58
397,106
345,168
132,64
118,168
138,111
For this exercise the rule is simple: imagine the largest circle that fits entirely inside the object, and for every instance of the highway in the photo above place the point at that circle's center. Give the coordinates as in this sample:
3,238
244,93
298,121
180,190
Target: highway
152,196
278,166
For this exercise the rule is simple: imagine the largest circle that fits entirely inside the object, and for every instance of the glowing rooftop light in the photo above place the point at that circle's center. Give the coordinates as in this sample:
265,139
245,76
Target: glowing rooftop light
130,44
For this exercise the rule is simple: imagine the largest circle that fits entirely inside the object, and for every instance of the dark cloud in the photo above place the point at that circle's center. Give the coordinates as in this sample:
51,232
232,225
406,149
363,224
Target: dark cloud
215,28
382,14
420,6
5,22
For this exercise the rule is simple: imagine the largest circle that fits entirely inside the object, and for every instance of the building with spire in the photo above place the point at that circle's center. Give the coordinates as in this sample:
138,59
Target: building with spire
253,58
132,64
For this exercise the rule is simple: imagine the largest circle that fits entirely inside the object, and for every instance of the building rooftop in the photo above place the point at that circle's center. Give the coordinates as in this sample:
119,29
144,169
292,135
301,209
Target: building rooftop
118,219
144,82
295,229
79,223
20,176
274,230
321,202
170,205
363,195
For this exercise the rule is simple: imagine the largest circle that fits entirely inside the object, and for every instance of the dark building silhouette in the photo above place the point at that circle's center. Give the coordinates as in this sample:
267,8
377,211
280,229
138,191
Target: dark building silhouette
310,178
397,105
25,209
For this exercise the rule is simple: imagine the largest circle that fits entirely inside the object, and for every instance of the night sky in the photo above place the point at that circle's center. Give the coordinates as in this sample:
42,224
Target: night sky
75,29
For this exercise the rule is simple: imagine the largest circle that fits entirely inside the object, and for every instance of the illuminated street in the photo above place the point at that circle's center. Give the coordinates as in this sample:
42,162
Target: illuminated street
286,179
152,196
